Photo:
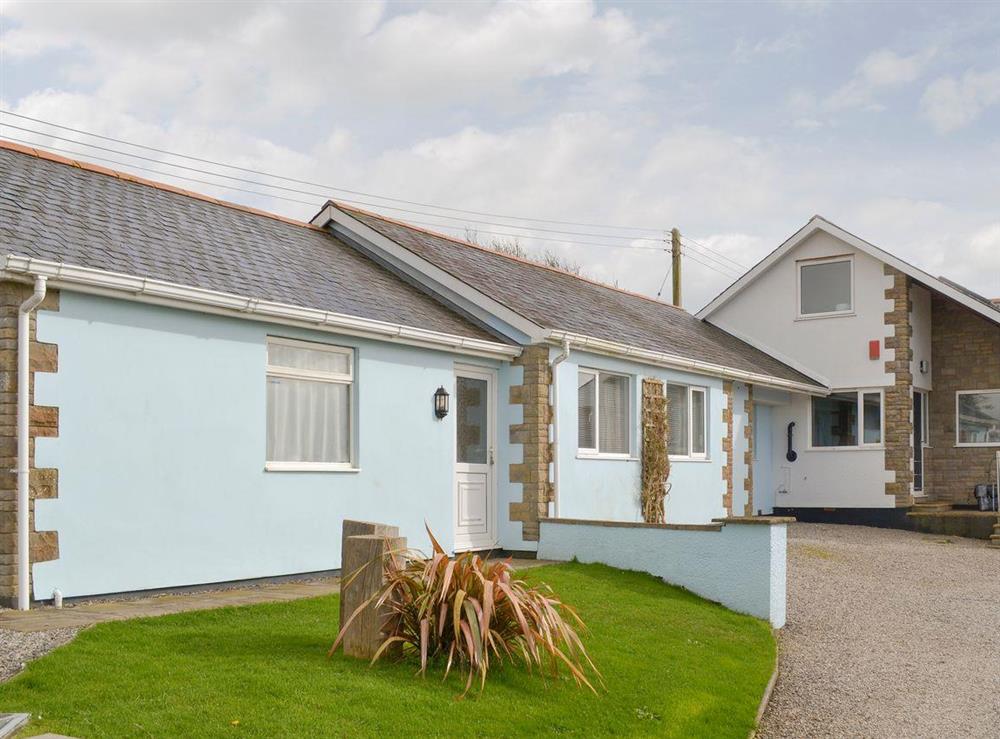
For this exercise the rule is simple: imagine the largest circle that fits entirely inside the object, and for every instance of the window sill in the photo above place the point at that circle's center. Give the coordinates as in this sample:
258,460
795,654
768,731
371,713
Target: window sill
308,467
819,316
608,457
689,459
985,445
866,448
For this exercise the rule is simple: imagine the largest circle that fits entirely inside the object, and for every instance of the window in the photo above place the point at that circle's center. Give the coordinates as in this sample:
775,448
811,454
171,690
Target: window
978,417
308,405
836,419
826,287
687,418
603,413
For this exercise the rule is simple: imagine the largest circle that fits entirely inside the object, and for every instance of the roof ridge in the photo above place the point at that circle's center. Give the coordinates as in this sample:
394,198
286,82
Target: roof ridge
126,177
522,260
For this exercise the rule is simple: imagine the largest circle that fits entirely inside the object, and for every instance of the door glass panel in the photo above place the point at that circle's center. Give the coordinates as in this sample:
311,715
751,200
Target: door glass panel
471,420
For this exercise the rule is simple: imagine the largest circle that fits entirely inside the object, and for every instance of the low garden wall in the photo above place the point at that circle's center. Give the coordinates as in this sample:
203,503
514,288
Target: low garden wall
738,562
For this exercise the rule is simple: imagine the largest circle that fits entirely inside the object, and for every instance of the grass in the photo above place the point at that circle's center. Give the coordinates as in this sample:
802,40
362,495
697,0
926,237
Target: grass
674,665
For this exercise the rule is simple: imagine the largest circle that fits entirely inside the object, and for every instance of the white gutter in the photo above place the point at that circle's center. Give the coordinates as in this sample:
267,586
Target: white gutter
159,292
23,447
554,364
662,359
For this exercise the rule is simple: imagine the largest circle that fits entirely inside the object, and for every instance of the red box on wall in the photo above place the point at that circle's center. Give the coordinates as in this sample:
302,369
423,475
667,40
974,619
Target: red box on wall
874,348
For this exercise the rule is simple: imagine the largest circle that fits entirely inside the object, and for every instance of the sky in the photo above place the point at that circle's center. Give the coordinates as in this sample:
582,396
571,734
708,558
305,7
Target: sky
734,122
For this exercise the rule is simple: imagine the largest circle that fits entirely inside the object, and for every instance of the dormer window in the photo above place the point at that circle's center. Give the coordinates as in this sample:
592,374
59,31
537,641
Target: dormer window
826,287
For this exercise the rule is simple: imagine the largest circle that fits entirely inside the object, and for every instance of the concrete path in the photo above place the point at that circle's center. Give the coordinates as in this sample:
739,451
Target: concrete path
45,618
890,634
80,615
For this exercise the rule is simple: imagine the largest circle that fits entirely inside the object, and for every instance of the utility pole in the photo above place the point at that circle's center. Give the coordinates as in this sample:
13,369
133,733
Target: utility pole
675,261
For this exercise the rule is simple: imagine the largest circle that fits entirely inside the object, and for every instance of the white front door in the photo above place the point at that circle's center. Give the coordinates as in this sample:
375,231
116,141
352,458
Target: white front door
475,494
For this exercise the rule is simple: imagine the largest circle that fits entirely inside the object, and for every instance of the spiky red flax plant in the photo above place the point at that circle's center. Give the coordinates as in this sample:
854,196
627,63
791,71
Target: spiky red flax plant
474,614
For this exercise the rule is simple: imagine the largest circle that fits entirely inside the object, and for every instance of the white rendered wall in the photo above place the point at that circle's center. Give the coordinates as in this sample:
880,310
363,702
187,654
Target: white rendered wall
835,348
740,446
742,566
826,478
920,342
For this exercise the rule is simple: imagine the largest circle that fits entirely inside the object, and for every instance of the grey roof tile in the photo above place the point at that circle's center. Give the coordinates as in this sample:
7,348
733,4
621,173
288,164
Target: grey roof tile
90,219
560,301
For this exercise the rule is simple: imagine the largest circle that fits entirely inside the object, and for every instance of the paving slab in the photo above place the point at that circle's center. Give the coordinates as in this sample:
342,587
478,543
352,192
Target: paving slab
81,615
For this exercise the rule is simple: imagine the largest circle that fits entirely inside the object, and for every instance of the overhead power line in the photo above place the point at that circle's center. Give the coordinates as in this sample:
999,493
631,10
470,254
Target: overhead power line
712,258
709,257
324,186
743,267
227,186
324,196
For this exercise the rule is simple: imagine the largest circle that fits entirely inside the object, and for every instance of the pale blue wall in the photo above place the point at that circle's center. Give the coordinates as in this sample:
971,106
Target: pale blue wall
763,474
740,446
609,489
509,532
162,444
743,566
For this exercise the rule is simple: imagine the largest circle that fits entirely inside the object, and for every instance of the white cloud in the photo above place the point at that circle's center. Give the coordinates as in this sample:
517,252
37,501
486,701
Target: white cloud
506,108
950,103
273,60
880,70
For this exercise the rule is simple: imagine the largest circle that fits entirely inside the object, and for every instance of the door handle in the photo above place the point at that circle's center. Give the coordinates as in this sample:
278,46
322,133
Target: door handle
492,461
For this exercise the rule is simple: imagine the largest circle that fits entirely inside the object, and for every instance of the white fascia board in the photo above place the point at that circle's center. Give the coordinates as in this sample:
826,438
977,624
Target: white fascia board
672,361
429,274
818,223
758,269
158,292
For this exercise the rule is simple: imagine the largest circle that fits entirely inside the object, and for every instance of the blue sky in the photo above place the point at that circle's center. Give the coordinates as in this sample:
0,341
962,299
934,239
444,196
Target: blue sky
733,121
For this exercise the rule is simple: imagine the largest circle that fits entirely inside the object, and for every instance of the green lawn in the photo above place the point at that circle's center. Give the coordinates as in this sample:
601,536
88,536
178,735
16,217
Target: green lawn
674,665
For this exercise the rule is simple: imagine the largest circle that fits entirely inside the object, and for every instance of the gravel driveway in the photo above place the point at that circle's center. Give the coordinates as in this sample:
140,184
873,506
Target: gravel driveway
890,634
18,648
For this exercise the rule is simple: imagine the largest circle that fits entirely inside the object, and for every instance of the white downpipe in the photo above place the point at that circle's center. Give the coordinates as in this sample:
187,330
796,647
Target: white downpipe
23,426
554,364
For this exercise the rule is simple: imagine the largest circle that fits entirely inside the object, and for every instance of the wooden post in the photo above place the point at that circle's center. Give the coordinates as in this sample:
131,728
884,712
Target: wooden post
358,528
675,260
365,555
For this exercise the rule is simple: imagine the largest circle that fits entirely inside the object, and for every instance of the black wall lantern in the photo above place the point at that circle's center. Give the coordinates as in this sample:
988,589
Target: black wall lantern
441,402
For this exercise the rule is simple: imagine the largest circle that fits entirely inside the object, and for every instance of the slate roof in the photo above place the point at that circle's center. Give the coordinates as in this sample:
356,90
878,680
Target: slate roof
557,300
64,211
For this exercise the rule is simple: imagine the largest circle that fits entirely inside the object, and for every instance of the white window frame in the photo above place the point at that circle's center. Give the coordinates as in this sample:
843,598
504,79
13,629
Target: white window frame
798,287
315,376
693,456
984,444
860,393
595,453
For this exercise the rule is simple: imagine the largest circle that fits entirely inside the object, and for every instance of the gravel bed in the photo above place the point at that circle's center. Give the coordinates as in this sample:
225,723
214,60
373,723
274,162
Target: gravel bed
19,647
890,634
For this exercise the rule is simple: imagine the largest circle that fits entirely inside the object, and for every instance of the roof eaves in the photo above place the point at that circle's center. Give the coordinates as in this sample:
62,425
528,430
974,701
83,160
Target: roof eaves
480,247
674,361
161,292
818,222
401,258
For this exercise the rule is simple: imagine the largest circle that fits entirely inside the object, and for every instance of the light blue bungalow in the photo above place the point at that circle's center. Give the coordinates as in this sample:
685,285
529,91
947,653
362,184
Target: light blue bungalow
216,389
